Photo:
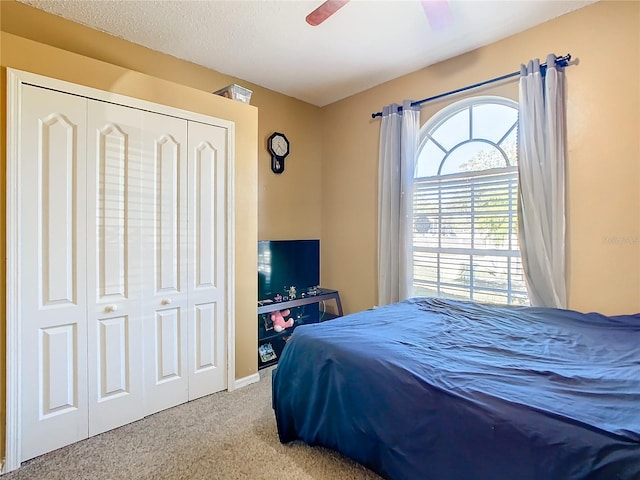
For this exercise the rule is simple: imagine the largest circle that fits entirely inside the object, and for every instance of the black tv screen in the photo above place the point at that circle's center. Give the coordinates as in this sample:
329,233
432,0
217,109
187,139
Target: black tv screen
286,263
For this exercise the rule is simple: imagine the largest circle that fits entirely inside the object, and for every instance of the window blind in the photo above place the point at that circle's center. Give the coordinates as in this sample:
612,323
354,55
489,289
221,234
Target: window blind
465,236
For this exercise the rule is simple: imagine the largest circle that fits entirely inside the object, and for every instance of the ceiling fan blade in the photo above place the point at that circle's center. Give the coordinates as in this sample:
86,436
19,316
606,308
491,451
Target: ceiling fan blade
438,13
324,11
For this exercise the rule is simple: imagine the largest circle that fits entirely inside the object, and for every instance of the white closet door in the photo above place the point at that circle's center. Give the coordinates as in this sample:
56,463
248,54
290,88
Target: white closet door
53,376
164,214
207,263
114,266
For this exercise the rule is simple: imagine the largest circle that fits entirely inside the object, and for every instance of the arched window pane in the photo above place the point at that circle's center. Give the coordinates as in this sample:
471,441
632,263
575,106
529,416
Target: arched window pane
492,121
483,157
454,131
473,156
510,147
429,160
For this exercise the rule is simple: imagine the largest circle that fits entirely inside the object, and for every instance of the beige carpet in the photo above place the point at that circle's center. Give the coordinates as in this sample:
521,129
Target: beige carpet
228,435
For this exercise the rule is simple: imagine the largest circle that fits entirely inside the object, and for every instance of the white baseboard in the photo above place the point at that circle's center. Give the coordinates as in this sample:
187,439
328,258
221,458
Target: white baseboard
243,382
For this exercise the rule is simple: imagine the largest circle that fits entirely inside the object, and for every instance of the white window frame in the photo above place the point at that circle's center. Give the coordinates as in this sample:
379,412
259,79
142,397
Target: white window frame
507,174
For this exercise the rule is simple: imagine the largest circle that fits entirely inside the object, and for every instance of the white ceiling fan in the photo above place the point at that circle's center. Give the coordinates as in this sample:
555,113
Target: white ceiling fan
437,11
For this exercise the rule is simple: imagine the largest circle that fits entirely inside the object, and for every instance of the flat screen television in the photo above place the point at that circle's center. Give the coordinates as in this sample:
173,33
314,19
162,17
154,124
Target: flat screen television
286,263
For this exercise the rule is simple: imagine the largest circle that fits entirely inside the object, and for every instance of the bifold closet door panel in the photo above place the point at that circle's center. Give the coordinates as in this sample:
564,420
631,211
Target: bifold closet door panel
207,262
114,266
121,268
52,216
164,235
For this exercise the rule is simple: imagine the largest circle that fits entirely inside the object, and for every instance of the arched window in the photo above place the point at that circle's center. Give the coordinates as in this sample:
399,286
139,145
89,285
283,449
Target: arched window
465,242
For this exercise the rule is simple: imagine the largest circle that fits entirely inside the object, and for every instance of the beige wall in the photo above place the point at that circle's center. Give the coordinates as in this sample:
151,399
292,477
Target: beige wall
603,169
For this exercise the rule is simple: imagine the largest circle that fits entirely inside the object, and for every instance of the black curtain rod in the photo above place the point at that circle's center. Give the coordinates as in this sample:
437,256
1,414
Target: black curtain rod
561,61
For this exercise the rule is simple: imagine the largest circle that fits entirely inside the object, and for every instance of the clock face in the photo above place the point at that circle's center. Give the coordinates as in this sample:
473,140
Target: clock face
279,145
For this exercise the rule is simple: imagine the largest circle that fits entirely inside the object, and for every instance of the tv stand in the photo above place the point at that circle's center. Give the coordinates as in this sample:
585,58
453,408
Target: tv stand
276,340
321,295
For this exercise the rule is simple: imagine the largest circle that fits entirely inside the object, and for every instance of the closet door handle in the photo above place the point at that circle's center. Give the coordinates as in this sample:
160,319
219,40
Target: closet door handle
110,308
165,301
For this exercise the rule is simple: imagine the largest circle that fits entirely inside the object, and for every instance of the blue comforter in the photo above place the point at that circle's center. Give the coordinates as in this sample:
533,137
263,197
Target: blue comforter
448,390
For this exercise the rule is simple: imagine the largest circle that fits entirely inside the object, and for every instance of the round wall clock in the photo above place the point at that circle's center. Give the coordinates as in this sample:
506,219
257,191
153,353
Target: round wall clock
278,146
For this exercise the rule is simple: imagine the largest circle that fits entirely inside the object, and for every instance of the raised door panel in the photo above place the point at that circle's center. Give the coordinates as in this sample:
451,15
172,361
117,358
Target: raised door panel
164,220
114,266
53,376
207,233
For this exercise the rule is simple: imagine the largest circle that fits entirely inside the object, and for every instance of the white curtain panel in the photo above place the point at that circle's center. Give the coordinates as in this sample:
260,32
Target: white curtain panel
542,182
398,145
409,149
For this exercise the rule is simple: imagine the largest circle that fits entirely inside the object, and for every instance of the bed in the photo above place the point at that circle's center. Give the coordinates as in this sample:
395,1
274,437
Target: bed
434,389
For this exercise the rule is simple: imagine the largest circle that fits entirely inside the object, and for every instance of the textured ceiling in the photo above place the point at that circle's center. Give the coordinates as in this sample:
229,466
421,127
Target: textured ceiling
268,42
